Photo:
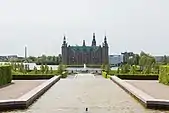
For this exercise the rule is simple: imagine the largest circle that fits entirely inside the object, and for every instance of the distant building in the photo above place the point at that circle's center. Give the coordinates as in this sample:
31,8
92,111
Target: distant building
3,58
158,58
126,56
115,60
79,55
12,57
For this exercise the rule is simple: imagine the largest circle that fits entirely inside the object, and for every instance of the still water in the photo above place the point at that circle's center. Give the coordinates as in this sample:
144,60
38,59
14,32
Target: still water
55,67
74,94
32,65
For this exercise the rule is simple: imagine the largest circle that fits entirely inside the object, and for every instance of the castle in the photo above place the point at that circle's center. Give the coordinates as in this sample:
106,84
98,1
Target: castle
91,55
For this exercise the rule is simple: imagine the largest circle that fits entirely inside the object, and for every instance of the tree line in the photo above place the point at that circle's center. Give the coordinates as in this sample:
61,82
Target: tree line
49,60
142,63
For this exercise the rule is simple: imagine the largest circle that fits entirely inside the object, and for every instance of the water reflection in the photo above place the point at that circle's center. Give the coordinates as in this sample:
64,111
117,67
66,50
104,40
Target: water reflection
32,65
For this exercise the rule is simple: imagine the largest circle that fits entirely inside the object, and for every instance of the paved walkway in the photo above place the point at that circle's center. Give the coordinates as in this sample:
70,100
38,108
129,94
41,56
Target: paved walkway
152,88
74,95
18,88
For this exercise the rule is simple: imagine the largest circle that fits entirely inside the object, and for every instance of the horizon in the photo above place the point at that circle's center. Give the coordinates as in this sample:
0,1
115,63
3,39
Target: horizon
132,26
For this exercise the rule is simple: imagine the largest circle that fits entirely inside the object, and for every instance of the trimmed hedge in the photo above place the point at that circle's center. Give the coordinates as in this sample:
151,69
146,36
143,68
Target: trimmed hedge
137,74
105,75
64,74
138,77
164,75
32,77
5,75
113,72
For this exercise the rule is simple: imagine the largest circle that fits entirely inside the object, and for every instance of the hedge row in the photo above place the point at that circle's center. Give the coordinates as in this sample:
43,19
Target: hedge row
32,76
5,75
164,75
138,77
105,75
137,74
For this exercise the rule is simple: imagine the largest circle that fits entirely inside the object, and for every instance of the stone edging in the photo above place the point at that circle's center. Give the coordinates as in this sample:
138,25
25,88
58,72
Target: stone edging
145,99
26,100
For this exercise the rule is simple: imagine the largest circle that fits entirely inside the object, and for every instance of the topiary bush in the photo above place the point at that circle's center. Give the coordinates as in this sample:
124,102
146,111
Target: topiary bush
64,74
164,74
5,75
113,72
105,75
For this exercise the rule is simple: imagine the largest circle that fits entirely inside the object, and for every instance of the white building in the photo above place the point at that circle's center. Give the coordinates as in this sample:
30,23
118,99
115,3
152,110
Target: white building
115,60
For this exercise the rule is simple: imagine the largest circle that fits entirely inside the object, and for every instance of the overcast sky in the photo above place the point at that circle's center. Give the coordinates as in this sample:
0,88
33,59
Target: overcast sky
130,25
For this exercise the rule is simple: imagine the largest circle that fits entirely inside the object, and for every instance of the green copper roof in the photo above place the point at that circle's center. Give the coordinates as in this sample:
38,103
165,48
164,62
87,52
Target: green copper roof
84,48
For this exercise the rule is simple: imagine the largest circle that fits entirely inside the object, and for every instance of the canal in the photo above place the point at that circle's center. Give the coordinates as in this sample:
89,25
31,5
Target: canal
74,94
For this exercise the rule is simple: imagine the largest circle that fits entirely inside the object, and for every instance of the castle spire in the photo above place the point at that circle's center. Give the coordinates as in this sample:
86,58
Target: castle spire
94,40
64,41
84,43
105,41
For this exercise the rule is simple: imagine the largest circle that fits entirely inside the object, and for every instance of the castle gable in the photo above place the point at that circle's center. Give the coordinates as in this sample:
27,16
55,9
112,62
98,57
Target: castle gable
84,48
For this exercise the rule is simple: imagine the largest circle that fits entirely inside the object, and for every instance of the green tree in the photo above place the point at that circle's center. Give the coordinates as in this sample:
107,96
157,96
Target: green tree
21,68
32,59
118,70
130,61
125,69
147,69
35,70
51,70
136,59
133,69
103,67
61,68
143,54
164,60
107,68
142,61
46,69
42,68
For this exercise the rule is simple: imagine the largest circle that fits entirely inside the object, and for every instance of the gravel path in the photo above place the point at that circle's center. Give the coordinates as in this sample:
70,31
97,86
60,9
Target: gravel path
74,95
152,87
18,88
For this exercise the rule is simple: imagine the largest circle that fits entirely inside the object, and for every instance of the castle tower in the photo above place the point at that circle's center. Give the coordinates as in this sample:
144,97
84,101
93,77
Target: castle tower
94,40
25,52
84,43
105,52
64,51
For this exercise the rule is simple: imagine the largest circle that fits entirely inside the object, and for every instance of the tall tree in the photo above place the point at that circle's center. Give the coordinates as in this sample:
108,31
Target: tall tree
164,60
42,68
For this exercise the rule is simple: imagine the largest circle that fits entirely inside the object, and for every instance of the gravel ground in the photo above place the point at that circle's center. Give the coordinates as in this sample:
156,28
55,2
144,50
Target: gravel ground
152,87
18,88
74,95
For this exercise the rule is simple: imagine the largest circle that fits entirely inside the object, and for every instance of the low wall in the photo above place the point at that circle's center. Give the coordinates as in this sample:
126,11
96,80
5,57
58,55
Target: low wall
26,100
32,77
138,77
145,99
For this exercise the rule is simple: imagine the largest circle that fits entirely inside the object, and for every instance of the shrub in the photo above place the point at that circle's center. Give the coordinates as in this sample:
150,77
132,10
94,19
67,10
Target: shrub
105,75
164,74
35,70
64,74
5,75
113,72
